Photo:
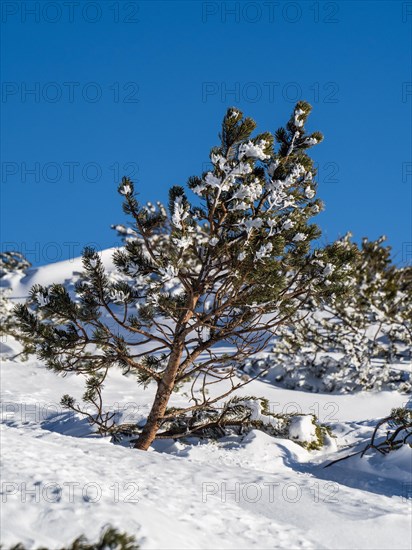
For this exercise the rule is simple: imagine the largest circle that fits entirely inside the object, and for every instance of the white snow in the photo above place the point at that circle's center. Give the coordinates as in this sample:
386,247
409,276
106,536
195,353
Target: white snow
183,242
251,223
59,480
299,237
126,189
264,251
288,224
253,150
298,121
168,273
303,429
309,192
179,213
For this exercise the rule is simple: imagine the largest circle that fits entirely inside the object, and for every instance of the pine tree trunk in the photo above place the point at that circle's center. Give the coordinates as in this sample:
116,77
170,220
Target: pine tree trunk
164,391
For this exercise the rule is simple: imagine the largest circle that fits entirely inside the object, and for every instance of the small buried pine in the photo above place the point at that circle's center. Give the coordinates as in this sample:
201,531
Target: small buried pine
307,432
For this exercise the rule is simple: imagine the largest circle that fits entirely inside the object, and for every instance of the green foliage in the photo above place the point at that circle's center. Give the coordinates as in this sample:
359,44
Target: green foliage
322,432
110,539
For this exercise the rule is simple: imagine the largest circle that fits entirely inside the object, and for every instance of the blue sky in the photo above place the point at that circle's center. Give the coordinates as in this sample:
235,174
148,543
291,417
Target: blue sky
93,90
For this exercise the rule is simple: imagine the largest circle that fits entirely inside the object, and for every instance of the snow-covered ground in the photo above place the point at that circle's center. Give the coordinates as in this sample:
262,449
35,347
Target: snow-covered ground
59,480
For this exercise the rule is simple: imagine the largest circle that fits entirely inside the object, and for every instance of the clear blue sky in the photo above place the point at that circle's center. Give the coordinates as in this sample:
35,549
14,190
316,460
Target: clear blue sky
141,87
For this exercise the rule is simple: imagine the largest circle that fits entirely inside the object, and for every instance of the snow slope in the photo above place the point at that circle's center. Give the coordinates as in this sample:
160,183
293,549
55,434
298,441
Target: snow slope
59,480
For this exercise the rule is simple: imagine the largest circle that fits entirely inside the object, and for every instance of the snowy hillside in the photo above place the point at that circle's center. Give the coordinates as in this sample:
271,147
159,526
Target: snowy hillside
253,491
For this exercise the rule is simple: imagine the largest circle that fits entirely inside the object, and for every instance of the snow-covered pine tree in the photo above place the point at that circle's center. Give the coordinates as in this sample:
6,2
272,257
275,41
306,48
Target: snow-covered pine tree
228,270
351,341
11,264
7,321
